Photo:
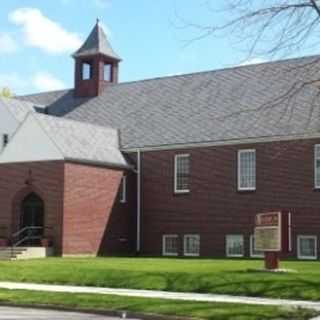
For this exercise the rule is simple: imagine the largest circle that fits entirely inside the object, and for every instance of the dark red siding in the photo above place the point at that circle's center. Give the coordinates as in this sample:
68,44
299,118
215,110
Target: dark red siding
214,207
94,86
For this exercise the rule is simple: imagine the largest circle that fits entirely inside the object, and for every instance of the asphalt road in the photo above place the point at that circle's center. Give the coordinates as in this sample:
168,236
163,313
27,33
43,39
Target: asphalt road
8,313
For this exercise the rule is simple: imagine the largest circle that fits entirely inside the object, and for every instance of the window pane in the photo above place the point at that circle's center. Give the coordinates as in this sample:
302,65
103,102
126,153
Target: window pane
235,245
182,173
192,245
170,245
86,71
247,169
307,247
107,72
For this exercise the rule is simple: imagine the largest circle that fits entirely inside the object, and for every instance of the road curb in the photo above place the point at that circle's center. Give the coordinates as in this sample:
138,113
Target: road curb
107,313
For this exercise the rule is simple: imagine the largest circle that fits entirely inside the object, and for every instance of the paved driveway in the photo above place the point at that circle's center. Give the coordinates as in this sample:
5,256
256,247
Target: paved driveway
8,313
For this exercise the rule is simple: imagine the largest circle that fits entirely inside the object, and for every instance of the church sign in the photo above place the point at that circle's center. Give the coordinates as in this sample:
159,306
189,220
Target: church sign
273,232
267,233
272,235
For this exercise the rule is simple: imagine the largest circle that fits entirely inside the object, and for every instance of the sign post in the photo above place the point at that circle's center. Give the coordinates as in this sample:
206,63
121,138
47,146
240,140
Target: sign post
273,236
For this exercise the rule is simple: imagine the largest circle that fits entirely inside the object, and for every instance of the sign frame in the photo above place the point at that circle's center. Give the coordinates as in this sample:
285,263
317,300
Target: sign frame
278,228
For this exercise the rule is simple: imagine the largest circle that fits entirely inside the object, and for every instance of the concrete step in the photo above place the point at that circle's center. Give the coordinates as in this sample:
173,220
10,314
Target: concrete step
11,253
17,253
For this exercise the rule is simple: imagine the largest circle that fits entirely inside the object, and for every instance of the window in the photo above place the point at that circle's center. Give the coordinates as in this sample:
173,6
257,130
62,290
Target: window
253,252
107,72
246,170
317,166
307,247
86,71
191,245
170,245
182,173
234,246
5,140
123,190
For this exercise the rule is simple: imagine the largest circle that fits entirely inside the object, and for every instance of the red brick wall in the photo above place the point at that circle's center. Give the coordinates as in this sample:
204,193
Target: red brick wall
214,208
95,222
43,178
83,212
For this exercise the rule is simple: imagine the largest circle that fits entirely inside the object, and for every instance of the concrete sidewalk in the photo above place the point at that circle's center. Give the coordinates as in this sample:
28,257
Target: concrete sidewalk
162,295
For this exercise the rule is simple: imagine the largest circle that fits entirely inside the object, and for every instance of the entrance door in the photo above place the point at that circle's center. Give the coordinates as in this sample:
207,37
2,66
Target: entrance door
32,219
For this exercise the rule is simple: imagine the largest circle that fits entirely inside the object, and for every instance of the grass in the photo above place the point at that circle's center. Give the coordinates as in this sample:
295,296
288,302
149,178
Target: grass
189,275
197,310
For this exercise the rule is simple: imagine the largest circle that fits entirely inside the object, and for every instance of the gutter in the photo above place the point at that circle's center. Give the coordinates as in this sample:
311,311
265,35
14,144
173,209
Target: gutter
99,163
138,248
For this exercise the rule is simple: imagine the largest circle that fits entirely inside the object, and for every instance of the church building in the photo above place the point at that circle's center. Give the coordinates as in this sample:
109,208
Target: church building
172,166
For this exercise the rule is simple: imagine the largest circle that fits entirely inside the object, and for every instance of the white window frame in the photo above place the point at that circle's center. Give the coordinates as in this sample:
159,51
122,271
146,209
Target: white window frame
227,251
185,245
123,197
239,170
164,237
300,256
316,186
177,156
254,255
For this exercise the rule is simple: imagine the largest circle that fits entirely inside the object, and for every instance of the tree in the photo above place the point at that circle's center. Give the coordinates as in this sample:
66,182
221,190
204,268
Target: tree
6,92
270,29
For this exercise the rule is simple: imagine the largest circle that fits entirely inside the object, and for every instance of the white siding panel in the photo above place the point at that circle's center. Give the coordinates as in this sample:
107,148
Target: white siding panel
8,123
30,143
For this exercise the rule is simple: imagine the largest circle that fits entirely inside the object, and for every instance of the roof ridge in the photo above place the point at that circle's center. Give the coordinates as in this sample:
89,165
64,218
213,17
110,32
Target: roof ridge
221,69
177,75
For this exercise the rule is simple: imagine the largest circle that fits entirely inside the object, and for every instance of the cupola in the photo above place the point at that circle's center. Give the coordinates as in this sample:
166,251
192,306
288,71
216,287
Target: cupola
96,64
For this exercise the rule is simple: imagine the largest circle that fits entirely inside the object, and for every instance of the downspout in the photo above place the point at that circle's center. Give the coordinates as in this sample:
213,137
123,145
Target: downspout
138,248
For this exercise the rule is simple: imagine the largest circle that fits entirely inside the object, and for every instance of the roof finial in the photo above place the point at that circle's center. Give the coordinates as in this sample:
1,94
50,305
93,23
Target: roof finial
98,20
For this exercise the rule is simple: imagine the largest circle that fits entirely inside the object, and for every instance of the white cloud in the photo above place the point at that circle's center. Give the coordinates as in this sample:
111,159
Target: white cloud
7,43
45,81
41,32
14,81
40,81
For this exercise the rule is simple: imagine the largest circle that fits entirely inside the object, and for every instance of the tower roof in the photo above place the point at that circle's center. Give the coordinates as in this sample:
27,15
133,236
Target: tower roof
96,43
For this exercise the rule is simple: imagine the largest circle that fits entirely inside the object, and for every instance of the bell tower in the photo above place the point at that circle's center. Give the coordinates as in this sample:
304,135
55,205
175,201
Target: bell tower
96,64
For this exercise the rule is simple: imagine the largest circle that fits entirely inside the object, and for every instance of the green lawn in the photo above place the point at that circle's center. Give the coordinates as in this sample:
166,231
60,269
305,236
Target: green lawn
197,310
190,275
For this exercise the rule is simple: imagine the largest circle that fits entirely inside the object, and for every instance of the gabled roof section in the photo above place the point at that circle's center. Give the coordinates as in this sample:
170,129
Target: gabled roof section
83,142
97,43
239,103
19,109
65,139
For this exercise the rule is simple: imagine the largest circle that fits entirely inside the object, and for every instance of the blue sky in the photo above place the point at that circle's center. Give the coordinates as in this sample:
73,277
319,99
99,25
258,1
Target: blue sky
37,38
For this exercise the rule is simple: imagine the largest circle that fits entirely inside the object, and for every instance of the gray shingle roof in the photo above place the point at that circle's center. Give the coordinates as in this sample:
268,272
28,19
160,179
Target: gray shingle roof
19,109
82,141
236,103
96,43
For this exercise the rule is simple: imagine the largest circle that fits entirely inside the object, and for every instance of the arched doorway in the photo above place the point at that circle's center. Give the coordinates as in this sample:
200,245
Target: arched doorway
32,219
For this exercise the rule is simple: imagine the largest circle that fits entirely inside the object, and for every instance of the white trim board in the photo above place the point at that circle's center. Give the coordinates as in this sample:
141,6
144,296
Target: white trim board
224,142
